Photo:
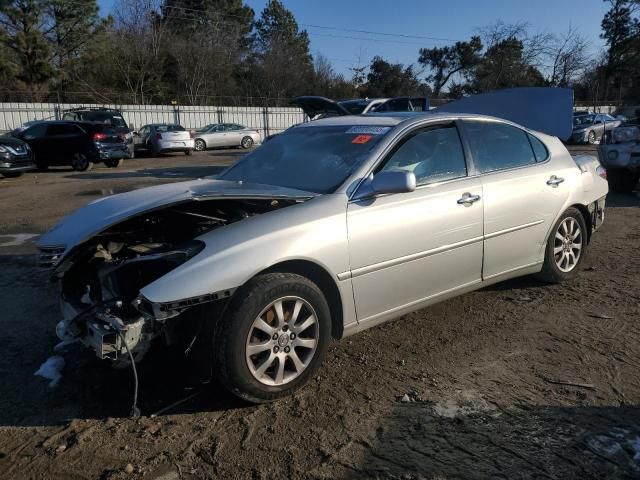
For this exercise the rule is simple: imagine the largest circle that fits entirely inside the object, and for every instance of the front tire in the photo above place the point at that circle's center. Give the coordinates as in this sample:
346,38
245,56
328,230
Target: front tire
566,248
591,137
199,145
273,337
80,162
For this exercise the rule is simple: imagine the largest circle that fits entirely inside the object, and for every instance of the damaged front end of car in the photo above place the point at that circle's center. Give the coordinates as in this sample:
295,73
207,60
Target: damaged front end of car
101,278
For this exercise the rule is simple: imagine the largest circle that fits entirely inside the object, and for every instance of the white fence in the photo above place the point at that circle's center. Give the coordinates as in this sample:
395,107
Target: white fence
268,120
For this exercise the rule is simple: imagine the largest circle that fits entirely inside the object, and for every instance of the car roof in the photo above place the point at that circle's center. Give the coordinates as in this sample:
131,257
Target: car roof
391,119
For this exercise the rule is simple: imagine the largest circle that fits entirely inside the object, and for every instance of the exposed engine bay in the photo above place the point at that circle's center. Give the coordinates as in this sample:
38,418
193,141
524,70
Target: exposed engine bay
100,280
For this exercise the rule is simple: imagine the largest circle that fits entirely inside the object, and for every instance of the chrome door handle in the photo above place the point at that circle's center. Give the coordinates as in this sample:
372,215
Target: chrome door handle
467,199
555,181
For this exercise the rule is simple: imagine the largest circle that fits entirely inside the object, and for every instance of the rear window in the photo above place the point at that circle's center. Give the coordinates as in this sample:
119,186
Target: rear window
108,118
169,128
497,146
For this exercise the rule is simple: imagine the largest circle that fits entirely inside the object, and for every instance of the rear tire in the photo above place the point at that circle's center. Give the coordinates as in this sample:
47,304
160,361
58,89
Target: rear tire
114,163
188,152
289,347
621,180
566,248
591,137
12,174
80,162
247,142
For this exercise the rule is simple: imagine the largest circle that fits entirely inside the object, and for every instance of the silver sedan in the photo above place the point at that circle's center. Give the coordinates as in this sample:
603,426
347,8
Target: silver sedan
332,227
158,138
226,135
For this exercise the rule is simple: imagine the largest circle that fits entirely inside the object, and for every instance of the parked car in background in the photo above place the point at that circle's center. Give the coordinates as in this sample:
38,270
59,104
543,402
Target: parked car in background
15,157
79,144
332,227
109,116
592,128
225,135
621,154
320,107
158,138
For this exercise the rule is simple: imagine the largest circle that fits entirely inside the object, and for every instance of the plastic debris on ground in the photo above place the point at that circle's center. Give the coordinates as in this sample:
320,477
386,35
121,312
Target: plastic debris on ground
51,369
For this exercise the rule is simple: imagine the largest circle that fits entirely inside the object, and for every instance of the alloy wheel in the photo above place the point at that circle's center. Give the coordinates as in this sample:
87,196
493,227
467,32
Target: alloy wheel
80,161
199,145
247,142
282,341
567,246
591,137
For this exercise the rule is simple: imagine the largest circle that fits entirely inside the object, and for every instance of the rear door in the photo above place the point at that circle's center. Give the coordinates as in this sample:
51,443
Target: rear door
233,134
523,194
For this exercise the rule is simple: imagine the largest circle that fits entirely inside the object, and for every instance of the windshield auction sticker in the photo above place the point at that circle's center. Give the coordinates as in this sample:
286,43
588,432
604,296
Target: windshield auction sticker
362,139
368,130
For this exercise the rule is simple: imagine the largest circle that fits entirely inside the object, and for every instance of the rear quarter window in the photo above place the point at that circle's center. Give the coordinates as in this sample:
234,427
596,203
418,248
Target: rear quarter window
539,150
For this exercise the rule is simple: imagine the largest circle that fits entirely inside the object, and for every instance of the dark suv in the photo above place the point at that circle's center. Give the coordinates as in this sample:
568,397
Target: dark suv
79,144
108,116
15,157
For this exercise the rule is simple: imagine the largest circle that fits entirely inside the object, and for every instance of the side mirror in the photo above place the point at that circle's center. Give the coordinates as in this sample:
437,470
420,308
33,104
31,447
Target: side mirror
387,181
390,181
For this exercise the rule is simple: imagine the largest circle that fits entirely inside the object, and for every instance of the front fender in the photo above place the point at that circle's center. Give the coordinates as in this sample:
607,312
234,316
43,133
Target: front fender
314,230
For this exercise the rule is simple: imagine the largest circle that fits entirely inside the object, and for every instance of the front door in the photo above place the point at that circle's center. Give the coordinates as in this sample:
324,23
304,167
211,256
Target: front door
408,248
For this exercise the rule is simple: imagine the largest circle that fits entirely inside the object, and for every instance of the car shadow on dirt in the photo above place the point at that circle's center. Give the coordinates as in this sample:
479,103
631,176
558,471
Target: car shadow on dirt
476,439
623,199
187,172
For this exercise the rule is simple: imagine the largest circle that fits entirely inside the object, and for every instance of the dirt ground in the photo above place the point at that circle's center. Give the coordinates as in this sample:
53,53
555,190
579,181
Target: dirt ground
519,380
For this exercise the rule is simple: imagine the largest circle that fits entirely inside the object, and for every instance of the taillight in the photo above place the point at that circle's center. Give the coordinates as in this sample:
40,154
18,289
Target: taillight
99,136
602,172
158,136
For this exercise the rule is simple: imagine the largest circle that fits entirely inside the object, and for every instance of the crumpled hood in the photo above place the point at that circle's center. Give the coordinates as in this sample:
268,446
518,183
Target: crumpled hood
105,212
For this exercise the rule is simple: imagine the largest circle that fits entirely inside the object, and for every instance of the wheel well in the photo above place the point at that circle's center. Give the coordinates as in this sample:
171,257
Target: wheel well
324,281
587,218
201,139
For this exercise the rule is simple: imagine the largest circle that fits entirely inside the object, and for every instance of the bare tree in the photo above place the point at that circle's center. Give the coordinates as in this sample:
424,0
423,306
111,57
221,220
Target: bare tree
138,35
569,57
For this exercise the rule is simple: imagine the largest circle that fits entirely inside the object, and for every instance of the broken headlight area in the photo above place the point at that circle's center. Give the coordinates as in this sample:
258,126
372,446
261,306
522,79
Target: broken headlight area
100,280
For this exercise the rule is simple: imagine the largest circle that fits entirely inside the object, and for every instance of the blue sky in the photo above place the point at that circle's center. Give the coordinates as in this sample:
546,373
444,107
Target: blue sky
450,19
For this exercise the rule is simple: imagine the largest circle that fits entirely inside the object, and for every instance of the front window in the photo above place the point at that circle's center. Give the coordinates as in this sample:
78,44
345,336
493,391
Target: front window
312,158
433,154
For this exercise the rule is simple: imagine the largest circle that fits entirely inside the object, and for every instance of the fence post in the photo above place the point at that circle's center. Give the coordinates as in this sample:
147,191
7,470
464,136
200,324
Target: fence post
220,116
176,114
265,118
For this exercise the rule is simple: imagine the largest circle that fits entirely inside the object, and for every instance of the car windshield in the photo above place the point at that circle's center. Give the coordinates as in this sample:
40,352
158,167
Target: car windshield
206,127
583,120
312,158
355,107
169,128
